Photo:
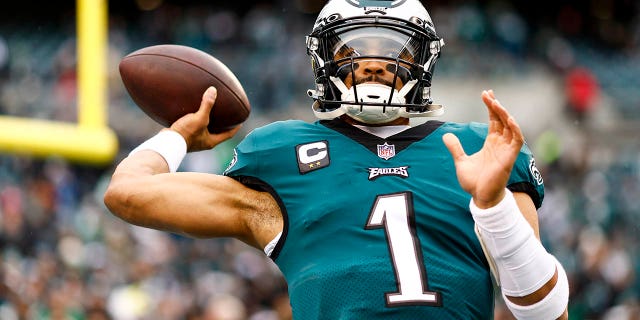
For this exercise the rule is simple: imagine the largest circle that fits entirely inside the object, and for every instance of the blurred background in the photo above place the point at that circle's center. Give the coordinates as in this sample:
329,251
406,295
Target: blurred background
568,70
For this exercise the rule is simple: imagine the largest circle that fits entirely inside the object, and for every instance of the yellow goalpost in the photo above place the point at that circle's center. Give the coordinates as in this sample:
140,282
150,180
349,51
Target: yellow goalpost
90,140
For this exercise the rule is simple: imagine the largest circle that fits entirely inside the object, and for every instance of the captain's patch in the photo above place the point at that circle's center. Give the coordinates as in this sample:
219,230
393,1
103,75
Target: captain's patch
312,156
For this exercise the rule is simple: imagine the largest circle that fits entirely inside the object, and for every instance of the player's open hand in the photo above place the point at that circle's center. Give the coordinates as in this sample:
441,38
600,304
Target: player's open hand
193,126
485,173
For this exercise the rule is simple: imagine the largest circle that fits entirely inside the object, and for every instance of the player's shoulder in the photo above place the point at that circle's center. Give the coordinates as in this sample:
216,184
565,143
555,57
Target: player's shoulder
477,130
280,128
472,132
271,148
279,134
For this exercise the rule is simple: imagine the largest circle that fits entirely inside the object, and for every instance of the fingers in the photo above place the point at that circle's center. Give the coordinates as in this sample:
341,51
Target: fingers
453,144
228,134
499,118
515,130
496,124
489,99
208,100
216,138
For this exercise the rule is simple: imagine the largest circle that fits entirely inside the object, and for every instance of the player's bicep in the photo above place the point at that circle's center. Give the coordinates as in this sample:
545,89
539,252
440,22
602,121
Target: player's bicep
201,205
194,204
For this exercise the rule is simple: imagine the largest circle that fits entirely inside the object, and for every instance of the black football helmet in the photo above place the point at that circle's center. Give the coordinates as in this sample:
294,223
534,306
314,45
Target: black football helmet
347,34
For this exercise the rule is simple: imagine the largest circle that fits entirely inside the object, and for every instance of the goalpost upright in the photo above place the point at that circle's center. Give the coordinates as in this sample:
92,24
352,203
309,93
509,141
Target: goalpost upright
90,140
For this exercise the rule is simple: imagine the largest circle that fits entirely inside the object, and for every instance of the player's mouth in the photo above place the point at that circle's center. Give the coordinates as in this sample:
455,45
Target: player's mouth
374,79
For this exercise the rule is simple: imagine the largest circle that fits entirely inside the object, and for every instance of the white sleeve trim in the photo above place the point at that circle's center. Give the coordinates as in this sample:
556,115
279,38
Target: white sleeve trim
268,249
551,307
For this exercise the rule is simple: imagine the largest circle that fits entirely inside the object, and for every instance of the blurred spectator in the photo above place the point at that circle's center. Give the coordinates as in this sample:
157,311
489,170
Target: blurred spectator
582,90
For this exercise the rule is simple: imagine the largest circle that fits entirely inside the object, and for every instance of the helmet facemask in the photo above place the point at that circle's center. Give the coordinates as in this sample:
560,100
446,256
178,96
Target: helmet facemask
403,51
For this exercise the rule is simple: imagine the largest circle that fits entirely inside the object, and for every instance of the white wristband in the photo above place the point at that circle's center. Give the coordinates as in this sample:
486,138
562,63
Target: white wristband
169,144
523,264
551,307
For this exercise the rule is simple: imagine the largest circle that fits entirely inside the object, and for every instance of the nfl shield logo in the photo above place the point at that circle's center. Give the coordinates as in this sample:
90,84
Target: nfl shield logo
386,151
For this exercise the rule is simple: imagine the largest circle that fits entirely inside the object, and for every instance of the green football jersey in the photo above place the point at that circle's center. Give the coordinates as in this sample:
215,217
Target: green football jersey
375,228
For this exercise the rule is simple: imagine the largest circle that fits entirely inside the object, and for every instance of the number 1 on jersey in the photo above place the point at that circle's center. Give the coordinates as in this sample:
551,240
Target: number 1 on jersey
395,213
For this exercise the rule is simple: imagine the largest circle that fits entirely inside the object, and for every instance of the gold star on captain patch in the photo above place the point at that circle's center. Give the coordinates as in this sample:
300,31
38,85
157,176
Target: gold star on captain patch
313,165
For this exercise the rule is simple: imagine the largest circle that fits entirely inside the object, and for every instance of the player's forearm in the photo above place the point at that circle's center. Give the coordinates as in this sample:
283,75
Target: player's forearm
533,283
122,196
193,204
144,200
143,163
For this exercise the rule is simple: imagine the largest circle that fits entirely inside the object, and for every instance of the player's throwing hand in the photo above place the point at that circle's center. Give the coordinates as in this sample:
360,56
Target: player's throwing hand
193,126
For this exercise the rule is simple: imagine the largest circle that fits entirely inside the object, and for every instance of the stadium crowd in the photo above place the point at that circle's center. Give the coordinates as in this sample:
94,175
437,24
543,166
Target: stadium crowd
65,257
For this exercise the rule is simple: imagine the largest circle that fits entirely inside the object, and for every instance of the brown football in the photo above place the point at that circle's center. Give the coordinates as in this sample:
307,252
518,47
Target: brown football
167,81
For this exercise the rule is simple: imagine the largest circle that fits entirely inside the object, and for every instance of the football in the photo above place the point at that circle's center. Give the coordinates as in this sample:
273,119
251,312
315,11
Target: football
167,81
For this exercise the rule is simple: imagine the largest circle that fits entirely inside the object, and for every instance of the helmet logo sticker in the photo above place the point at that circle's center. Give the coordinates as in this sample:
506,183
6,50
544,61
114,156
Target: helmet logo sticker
376,3
370,10
326,20
386,151
312,156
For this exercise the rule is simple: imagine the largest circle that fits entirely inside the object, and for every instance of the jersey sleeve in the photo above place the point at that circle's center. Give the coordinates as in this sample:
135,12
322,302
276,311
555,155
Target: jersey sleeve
525,177
243,162
262,158
244,166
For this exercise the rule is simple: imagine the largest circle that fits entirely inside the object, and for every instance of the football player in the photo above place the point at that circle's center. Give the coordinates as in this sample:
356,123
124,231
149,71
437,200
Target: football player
366,215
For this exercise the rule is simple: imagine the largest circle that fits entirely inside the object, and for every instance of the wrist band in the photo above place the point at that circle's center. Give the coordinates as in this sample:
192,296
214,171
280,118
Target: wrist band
551,307
169,144
523,264
519,262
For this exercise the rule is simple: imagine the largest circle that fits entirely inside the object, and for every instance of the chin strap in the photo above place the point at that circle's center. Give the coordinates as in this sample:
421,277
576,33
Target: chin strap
433,110
371,93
